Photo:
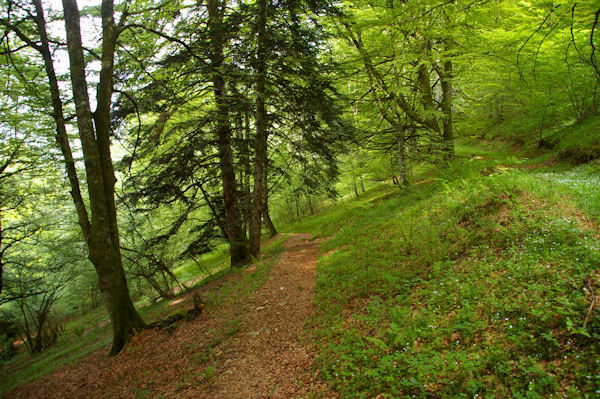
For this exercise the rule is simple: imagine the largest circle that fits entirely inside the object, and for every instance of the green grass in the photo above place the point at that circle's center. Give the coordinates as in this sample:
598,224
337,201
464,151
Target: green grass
71,346
578,142
468,285
211,263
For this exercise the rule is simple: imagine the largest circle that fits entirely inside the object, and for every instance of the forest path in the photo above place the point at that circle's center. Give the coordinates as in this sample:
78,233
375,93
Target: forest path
271,356
251,344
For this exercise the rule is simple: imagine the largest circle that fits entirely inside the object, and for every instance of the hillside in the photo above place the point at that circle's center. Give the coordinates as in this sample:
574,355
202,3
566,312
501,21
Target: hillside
478,280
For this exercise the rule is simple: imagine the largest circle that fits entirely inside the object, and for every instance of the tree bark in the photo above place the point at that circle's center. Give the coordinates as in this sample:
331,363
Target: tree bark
103,236
266,216
448,133
58,115
261,132
427,99
267,219
247,191
238,250
402,161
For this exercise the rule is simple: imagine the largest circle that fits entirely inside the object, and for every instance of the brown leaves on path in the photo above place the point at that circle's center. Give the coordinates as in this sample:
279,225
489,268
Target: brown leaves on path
252,345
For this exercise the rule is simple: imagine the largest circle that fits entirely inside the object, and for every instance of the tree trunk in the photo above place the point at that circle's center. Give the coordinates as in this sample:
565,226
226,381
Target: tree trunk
58,115
111,279
402,162
238,250
103,234
261,132
297,195
247,171
267,219
427,99
448,133
266,216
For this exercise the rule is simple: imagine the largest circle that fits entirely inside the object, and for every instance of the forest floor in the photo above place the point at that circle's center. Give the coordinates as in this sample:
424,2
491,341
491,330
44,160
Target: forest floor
481,279
250,342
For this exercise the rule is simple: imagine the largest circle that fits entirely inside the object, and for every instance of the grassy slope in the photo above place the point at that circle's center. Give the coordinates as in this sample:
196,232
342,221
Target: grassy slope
467,284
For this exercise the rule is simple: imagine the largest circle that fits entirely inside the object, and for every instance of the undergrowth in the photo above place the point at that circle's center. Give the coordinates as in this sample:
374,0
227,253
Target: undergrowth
471,285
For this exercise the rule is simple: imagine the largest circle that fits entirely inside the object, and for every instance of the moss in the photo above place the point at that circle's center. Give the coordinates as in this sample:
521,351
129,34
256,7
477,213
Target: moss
179,314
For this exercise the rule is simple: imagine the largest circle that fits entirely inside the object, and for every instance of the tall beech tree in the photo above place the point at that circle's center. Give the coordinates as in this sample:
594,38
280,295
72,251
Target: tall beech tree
402,53
99,224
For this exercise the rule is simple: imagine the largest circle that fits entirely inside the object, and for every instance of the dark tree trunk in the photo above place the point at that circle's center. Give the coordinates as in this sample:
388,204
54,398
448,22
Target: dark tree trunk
427,99
267,219
261,133
57,113
297,199
402,161
247,170
448,133
123,315
266,216
238,250
94,131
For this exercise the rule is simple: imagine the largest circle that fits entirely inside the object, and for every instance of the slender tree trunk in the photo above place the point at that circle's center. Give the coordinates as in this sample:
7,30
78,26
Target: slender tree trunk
266,216
402,162
297,195
542,128
238,250
447,89
57,113
241,179
261,132
247,170
267,219
427,99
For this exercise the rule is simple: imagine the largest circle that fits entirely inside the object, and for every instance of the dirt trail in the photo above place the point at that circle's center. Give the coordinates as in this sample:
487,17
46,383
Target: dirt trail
269,357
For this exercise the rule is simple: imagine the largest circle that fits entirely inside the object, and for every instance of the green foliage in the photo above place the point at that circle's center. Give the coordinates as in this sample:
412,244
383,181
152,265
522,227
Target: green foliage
527,72
474,286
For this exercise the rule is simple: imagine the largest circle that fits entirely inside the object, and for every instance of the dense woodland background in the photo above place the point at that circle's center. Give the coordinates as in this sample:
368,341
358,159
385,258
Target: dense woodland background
150,145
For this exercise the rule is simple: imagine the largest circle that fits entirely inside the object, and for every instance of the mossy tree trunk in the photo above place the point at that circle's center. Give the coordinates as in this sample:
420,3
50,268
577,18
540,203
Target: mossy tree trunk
100,231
